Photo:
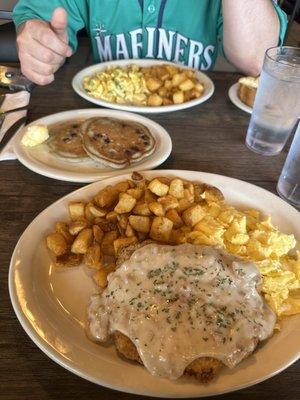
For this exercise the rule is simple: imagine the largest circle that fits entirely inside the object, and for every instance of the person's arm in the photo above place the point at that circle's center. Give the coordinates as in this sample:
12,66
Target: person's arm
46,35
250,27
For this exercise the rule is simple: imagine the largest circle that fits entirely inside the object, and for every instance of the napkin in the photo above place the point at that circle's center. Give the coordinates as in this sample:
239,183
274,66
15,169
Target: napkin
12,101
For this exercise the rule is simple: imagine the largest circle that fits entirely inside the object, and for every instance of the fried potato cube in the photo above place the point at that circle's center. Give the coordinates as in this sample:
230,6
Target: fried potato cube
213,194
107,197
105,224
183,204
112,216
98,233
149,196
107,245
100,277
136,193
122,242
122,186
172,70
163,92
168,84
76,210
68,260
187,84
193,215
177,237
177,79
126,203
129,231
57,243
77,226
122,221
140,223
161,229
178,97
136,176
154,100
82,241
176,188
199,189
153,84
158,188
164,179
92,257
199,87
92,212
175,218
63,228
167,102
168,202
189,193
157,209
142,209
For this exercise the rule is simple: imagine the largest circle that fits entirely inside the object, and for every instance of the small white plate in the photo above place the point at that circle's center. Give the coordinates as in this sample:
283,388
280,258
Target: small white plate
78,87
233,95
39,159
51,304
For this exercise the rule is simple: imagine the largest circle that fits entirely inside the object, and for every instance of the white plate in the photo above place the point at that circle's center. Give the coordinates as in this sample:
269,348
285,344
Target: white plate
233,95
51,304
78,78
39,159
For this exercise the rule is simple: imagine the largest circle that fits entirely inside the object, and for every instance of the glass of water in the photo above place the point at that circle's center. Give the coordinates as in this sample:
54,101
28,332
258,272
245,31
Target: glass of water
288,186
277,101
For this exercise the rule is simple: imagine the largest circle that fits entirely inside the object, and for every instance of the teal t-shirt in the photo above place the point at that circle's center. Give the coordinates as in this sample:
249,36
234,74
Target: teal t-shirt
183,31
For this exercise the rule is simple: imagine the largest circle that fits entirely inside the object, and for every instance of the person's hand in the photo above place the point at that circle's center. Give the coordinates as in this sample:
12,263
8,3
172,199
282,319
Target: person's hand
43,47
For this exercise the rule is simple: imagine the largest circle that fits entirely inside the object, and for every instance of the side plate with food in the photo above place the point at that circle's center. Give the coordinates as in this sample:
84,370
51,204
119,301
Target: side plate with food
112,221
242,93
146,86
88,145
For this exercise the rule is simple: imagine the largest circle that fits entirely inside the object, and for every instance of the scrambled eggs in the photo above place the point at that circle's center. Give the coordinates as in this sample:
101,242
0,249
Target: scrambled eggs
247,235
118,85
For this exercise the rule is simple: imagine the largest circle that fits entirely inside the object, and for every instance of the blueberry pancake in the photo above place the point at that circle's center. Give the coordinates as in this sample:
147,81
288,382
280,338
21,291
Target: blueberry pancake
116,143
66,140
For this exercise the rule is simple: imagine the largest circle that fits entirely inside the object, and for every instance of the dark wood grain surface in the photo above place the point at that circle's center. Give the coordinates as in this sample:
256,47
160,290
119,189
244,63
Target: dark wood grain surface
209,138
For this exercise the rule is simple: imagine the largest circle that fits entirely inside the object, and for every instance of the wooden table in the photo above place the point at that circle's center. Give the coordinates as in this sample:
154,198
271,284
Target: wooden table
209,138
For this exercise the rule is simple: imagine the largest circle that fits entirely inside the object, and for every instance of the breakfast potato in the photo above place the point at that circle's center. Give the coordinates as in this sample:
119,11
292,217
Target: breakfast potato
177,236
98,233
68,260
167,102
176,188
122,242
107,197
158,188
186,85
177,79
149,196
154,100
189,192
82,241
76,210
92,257
129,231
168,84
122,186
142,209
178,97
92,212
57,243
122,221
168,202
105,224
213,194
157,208
63,228
161,229
126,203
183,204
100,277
112,216
107,245
136,193
193,215
153,84
77,226
140,223
175,218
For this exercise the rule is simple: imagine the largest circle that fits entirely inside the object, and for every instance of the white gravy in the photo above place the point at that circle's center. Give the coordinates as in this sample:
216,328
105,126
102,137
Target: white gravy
178,303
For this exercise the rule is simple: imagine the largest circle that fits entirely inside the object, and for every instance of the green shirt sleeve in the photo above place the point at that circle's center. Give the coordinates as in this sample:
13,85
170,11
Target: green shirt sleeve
283,25
36,9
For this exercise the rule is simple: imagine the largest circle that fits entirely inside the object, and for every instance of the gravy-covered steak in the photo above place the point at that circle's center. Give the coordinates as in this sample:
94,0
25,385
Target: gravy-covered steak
66,141
116,143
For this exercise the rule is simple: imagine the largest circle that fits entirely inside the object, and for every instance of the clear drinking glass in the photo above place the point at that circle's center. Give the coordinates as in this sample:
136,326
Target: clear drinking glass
288,186
277,102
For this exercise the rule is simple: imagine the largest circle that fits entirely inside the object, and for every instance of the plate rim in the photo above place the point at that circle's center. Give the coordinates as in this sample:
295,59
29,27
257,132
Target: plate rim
55,356
77,87
55,173
232,94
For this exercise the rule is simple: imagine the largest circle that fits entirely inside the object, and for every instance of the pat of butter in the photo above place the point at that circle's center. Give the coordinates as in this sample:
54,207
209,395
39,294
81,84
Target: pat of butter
34,135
